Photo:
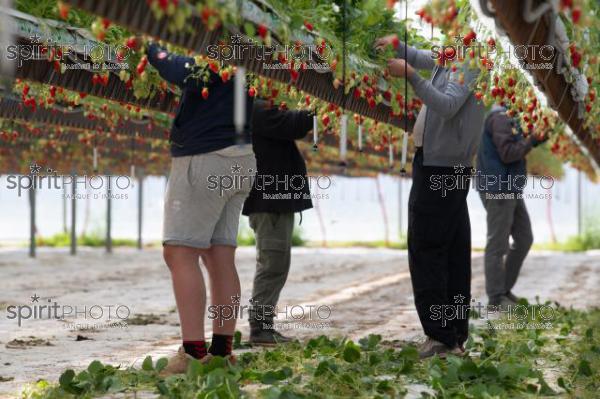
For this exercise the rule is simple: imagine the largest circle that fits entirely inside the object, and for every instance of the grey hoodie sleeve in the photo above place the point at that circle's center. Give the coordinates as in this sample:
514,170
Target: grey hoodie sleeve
448,102
420,59
509,148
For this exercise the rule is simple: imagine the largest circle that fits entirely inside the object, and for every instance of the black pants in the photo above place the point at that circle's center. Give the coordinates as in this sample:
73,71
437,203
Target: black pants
439,250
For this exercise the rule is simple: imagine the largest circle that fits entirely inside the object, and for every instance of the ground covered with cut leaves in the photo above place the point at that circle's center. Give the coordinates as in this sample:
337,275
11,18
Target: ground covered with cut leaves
561,359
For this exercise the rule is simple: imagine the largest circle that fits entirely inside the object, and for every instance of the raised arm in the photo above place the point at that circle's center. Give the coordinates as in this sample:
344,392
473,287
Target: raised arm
277,124
509,147
447,102
176,69
420,59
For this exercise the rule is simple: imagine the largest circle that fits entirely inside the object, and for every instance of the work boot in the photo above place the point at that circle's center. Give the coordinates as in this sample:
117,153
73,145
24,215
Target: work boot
432,347
178,364
263,333
502,301
513,297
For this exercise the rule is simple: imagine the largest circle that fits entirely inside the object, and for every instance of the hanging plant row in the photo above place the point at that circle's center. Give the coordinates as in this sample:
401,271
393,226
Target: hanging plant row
359,78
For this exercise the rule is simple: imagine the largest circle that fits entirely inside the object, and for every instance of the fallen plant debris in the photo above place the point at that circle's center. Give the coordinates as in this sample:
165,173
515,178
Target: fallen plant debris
27,343
503,363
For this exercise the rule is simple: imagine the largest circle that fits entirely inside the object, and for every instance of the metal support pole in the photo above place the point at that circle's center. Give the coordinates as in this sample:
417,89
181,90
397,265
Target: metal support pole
73,216
140,209
579,221
64,210
400,231
108,217
32,222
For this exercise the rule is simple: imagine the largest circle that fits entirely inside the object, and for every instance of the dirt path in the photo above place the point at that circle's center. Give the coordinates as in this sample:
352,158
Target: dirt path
367,291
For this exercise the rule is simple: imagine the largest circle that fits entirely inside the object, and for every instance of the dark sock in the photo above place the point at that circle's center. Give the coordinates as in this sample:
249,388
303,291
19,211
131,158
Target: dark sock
221,345
196,349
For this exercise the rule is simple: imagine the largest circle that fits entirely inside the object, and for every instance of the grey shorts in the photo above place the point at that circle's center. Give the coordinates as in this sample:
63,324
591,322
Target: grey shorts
204,197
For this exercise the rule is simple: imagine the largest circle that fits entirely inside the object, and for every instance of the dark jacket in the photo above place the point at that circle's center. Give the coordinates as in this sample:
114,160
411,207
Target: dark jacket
200,125
281,184
501,165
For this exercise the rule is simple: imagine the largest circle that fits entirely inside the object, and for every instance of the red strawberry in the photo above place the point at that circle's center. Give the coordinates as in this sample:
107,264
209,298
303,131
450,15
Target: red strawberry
25,90
262,31
566,3
252,92
52,91
395,42
105,23
214,67
325,120
63,10
224,76
469,37
131,43
576,15
294,74
576,57
308,26
163,4
491,42
205,93
449,53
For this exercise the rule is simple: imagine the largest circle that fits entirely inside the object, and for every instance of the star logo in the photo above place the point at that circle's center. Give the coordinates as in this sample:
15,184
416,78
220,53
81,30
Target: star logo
34,168
458,38
459,298
459,168
236,39
236,168
35,38
35,298
235,299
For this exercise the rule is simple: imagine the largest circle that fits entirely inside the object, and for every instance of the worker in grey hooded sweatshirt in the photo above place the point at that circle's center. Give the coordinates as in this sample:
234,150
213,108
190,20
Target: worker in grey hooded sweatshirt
446,135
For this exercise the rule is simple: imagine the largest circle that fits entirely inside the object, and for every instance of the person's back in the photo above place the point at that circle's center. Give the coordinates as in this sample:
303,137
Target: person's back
501,177
281,189
501,163
201,125
281,170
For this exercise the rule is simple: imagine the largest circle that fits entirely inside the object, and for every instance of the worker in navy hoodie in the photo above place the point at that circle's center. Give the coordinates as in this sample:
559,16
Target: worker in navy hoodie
201,218
501,177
